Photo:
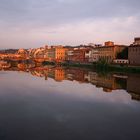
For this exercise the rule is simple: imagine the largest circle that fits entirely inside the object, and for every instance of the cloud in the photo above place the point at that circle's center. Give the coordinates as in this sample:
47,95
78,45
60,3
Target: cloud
61,11
121,30
30,22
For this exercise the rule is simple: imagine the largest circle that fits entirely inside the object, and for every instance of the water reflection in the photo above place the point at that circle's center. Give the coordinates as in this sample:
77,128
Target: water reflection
39,103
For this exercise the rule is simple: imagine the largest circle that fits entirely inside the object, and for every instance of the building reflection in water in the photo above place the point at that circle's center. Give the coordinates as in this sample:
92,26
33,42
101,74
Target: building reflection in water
108,82
133,86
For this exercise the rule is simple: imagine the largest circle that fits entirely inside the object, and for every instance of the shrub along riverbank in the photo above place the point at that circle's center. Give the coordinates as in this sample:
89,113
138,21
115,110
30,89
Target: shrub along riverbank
100,66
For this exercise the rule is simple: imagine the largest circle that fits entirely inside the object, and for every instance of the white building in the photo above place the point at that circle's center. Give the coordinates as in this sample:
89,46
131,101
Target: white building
94,55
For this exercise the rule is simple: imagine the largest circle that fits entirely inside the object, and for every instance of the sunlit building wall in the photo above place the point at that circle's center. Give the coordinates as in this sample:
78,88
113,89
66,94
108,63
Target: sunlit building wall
109,53
60,53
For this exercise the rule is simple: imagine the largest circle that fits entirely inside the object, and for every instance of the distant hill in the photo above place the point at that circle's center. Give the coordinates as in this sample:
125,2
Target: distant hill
12,51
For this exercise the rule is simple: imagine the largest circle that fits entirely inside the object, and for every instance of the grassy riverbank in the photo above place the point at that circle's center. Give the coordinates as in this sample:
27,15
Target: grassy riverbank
100,67
118,68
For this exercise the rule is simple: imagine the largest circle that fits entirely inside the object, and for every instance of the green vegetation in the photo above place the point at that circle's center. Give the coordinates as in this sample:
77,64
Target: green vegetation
103,65
77,65
123,54
100,66
48,63
125,69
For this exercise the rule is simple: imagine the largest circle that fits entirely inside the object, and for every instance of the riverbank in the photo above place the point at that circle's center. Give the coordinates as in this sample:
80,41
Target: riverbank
100,67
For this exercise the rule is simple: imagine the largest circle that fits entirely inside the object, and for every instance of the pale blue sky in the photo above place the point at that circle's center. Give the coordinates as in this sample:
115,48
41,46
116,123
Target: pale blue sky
34,23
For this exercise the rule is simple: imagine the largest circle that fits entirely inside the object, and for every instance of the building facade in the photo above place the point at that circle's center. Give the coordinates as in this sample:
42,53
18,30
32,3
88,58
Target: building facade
136,41
22,53
108,52
50,53
79,55
60,53
109,43
134,53
94,55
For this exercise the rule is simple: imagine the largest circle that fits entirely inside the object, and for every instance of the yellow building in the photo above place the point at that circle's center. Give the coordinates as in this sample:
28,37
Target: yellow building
109,53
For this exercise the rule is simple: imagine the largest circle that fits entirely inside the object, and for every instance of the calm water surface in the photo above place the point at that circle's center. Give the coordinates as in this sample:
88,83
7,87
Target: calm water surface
68,104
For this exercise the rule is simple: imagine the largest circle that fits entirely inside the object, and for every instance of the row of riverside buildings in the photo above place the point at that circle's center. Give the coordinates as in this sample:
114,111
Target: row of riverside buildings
79,54
110,52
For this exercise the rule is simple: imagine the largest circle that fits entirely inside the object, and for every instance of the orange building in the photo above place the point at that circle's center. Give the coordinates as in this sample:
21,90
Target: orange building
22,53
60,53
109,43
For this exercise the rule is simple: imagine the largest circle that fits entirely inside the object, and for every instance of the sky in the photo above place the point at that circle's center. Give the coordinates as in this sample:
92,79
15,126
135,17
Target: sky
34,23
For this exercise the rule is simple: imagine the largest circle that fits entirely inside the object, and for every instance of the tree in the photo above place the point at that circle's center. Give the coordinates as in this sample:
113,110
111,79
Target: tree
123,54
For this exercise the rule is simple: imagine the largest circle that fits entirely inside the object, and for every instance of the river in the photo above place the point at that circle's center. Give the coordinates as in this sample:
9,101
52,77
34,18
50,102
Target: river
55,103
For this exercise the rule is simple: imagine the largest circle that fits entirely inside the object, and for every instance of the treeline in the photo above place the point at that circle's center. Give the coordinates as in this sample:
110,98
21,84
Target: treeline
10,51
